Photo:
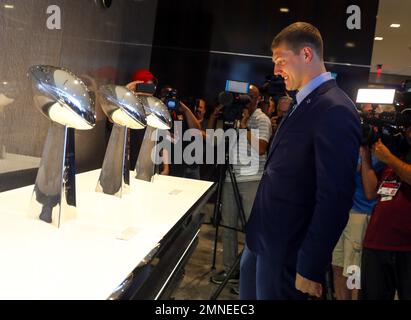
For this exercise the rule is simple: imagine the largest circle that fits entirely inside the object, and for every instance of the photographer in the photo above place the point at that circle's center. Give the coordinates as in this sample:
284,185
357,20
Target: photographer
215,115
181,113
386,259
247,181
200,112
267,105
348,250
139,77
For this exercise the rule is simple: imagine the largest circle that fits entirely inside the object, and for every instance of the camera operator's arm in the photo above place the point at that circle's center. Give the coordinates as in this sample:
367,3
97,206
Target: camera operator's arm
258,144
402,169
190,117
262,145
213,117
166,167
368,175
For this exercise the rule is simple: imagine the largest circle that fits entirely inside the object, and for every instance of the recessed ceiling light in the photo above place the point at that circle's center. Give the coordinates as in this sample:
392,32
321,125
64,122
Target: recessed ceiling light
284,10
9,6
395,25
350,44
378,38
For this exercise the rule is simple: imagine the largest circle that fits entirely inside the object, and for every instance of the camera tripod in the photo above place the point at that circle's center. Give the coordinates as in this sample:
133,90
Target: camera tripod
222,171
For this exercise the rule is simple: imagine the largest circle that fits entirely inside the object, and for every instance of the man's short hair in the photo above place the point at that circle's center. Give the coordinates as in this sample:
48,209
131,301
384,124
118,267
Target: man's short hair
299,35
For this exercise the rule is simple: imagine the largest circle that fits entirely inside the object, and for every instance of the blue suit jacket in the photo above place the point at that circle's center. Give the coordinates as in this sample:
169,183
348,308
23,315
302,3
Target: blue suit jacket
305,195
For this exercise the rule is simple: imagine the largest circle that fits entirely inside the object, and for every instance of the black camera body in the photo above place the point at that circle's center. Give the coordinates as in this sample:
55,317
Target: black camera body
149,88
234,99
170,98
273,87
172,101
389,126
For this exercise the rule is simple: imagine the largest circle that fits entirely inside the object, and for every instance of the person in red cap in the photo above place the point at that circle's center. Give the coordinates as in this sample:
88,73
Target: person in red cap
141,76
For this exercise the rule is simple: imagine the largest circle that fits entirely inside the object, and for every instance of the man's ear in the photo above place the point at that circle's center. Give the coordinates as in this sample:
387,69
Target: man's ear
308,54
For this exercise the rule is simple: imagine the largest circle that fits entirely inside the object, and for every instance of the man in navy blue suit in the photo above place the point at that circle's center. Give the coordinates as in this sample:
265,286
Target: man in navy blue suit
305,194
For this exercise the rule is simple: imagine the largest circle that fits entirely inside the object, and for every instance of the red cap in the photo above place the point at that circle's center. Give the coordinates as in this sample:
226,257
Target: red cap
142,75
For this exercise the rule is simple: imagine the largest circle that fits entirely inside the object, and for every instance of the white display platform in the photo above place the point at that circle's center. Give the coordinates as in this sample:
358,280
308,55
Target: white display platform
87,258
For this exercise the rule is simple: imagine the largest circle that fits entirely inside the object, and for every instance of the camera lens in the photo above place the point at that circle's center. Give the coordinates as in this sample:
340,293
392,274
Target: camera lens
171,104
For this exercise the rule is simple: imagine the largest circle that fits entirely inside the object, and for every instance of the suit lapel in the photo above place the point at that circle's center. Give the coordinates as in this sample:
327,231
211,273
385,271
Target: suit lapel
301,109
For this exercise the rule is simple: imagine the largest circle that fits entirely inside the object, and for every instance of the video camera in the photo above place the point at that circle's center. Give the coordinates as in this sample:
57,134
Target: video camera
171,98
389,120
234,99
273,87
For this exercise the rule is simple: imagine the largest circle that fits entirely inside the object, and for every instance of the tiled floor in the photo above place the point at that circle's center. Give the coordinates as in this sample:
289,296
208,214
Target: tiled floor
196,284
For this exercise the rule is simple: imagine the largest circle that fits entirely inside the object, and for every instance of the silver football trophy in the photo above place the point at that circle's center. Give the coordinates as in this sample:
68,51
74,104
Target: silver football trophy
64,99
158,118
124,110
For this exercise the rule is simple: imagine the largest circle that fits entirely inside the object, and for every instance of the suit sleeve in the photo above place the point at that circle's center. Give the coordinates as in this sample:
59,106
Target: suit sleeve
336,146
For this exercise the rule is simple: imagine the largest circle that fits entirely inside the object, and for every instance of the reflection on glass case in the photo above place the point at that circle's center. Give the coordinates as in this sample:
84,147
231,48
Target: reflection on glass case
63,98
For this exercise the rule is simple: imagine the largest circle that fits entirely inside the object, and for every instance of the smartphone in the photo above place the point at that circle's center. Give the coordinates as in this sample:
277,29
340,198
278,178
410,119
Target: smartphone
146,88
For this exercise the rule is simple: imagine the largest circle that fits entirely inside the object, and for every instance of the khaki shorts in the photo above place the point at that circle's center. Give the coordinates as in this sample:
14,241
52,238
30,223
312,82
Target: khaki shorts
348,250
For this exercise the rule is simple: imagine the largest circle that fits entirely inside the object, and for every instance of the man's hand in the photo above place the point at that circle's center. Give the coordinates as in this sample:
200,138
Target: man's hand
214,116
244,119
381,152
133,85
307,286
401,168
217,112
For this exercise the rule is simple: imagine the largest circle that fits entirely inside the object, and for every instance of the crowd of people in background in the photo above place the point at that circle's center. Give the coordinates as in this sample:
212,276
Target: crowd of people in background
375,245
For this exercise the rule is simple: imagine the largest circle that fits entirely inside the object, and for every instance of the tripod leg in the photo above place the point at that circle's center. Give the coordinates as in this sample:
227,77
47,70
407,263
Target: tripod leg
329,288
217,210
233,268
237,197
